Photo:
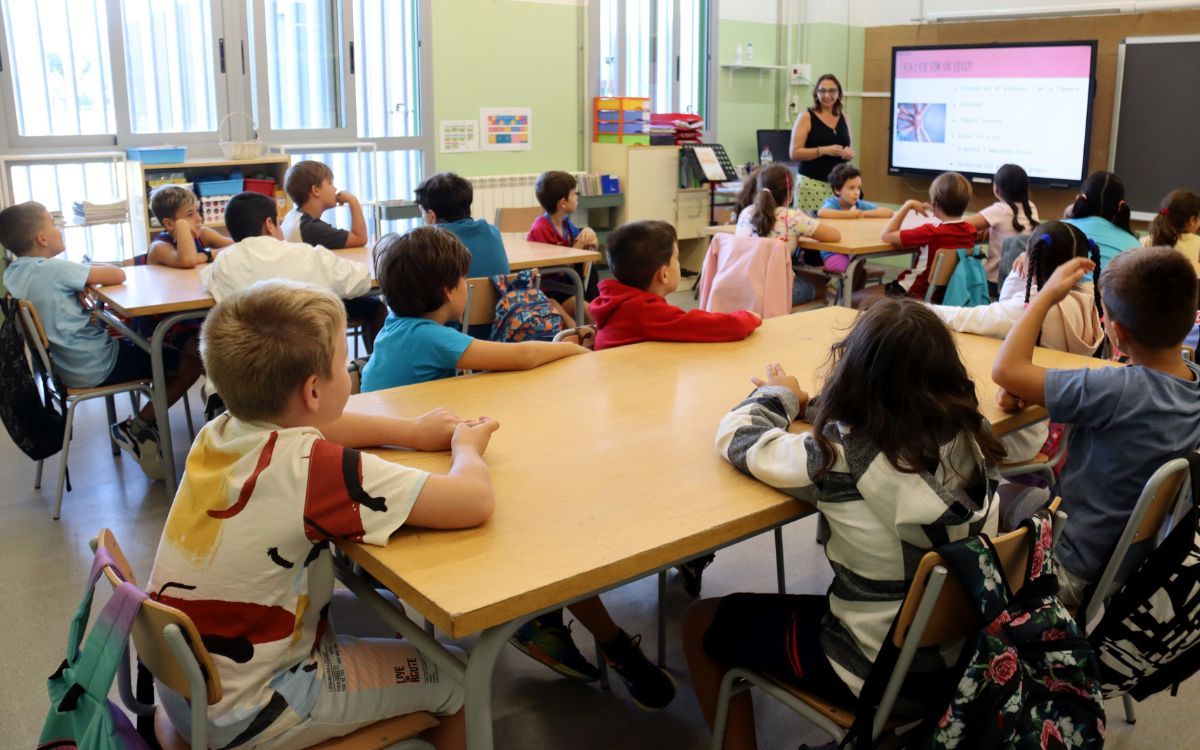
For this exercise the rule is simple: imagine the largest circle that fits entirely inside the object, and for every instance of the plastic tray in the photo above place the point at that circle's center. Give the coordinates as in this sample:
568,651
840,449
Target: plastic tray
266,187
157,154
220,187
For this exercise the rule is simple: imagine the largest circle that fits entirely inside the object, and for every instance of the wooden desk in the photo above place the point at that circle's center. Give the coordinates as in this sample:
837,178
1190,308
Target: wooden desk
635,486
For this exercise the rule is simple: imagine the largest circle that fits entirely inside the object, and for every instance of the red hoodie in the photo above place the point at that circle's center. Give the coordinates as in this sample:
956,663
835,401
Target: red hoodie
625,315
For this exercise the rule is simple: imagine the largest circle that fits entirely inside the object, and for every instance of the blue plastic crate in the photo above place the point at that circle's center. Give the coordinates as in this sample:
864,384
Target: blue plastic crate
627,128
219,187
157,154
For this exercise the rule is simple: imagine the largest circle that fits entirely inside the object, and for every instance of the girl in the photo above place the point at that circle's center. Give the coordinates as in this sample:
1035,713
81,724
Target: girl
1010,215
1101,212
898,459
763,212
846,203
1176,224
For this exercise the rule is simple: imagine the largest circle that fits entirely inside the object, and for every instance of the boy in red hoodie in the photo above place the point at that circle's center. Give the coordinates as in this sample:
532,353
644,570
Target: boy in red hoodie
644,257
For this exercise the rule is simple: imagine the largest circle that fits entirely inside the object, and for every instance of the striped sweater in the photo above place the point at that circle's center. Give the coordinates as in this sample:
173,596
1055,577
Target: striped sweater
881,520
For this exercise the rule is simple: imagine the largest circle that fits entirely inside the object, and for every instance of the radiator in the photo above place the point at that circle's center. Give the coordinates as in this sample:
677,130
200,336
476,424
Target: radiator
503,191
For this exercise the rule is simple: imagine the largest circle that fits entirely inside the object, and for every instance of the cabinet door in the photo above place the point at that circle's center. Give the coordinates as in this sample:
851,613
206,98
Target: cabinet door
653,179
692,213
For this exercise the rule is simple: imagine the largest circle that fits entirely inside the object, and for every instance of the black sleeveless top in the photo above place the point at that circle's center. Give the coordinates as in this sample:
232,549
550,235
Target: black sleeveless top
820,134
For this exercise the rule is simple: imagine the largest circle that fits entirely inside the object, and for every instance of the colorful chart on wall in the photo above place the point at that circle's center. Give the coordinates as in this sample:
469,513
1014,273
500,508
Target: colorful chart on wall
457,136
505,128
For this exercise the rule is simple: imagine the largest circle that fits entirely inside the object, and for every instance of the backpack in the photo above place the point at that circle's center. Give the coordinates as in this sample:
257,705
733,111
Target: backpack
523,312
34,423
968,284
1149,639
81,715
1030,680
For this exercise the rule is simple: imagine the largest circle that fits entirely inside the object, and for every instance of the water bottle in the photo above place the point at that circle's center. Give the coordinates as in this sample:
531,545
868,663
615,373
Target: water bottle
739,55
765,157
750,52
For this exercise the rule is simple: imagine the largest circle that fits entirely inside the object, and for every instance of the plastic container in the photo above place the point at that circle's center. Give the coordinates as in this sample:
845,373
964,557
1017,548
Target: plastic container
610,184
157,154
621,127
266,187
220,187
634,140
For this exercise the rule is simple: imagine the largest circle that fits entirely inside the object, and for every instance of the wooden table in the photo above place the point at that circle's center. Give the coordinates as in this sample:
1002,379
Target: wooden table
605,471
179,295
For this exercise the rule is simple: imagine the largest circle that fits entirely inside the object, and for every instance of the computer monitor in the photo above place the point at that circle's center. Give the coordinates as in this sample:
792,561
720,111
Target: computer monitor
779,141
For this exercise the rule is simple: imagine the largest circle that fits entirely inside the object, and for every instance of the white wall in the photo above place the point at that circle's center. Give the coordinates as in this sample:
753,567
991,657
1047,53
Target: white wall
893,12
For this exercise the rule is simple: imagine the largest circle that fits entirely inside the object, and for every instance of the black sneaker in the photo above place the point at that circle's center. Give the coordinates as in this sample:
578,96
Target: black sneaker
141,444
651,688
552,645
691,573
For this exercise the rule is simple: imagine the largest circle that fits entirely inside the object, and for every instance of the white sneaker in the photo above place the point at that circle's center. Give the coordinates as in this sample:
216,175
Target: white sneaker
142,445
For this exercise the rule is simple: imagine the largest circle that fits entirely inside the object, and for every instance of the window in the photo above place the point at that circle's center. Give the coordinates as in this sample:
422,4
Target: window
58,183
387,47
302,64
654,48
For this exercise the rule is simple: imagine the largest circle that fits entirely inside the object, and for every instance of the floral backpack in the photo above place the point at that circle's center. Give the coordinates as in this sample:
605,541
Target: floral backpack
523,312
1031,679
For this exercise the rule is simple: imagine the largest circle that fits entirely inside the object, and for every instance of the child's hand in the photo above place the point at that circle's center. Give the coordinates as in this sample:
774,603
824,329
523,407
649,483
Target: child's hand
1065,277
183,225
587,239
776,376
344,197
582,336
473,435
1020,265
435,429
918,206
856,213
1009,403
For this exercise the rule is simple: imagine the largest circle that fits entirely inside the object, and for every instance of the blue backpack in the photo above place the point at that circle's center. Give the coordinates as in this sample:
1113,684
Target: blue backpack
523,312
968,284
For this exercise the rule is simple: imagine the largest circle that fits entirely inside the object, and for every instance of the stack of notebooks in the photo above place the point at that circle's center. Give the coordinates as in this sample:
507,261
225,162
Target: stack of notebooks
87,212
675,128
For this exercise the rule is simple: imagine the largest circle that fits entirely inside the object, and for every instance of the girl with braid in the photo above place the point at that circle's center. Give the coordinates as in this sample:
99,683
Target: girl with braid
1176,224
1010,215
1101,212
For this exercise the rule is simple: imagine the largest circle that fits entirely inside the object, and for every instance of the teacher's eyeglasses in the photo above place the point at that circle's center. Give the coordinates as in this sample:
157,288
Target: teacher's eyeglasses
827,92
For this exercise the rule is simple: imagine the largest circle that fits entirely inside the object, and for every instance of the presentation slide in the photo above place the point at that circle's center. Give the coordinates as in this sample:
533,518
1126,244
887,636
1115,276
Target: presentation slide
972,109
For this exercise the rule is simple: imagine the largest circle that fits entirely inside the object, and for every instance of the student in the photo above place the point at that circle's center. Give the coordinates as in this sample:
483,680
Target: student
85,355
184,242
445,202
260,253
1176,224
1010,215
1126,421
895,471
948,198
257,577
423,276
310,186
644,258
846,203
1101,212
556,192
764,211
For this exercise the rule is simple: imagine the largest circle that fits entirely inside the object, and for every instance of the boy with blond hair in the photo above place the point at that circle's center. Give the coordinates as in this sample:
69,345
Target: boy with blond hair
1126,421
245,550
184,242
310,186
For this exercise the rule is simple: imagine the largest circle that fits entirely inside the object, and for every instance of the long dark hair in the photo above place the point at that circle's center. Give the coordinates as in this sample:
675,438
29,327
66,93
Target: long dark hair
1012,185
766,189
1102,194
897,378
1051,245
1177,209
837,106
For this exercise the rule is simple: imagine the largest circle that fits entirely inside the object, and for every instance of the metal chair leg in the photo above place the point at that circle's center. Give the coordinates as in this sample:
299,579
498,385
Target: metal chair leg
601,664
187,413
110,405
62,461
662,618
1130,714
779,572
37,478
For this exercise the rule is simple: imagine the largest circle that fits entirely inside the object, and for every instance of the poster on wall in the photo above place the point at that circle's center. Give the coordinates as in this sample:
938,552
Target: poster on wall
458,136
505,128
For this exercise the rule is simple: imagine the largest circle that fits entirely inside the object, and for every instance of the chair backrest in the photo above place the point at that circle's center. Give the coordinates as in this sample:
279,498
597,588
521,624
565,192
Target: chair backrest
944,264
482,297
147,634
517,219
35,337
355,369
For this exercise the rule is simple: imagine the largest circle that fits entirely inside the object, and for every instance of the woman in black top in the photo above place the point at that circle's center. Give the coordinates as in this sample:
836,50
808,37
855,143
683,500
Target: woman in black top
820,141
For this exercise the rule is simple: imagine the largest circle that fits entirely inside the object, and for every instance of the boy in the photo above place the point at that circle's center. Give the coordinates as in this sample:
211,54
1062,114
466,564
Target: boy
310,186
184,242
245,551
84,354
1127,421
445,201
423,275
644,258
948,198
261,253
557,194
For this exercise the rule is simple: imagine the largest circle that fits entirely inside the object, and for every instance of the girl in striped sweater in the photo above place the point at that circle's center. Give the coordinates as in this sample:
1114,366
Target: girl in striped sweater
899,460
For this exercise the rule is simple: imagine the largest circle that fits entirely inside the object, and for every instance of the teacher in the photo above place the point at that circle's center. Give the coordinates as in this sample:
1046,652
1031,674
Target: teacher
820,141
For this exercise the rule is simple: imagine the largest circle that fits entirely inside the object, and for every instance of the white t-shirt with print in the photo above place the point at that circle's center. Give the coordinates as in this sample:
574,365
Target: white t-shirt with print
790,225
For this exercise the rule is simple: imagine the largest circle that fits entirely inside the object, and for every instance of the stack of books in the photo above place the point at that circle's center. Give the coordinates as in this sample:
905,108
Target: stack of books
87,212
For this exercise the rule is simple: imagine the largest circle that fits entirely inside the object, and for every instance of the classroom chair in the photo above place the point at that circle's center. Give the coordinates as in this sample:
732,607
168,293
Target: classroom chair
1010,248
747,273
1041,464
168,645
944,264
517,219
935,611
355,368
68,398
1163,492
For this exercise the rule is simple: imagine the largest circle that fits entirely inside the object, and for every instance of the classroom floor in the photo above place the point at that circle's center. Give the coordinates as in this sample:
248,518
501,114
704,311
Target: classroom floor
45,561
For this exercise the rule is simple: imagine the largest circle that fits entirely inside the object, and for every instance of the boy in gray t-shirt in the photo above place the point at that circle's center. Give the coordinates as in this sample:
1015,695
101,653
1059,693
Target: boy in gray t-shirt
1126,421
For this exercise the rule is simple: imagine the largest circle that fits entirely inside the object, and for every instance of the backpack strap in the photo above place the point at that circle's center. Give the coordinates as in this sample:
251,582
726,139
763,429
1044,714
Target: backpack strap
84,612
106,646
973,561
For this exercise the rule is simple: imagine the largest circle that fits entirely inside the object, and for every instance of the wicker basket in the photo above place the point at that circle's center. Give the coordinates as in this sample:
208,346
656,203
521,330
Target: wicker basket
238,150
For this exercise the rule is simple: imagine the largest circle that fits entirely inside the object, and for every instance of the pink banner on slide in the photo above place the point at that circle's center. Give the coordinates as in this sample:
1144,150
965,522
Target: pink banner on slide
1000,62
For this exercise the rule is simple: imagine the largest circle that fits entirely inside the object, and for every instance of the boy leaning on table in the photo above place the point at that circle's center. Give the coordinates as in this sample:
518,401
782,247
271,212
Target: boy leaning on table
85,355
245,549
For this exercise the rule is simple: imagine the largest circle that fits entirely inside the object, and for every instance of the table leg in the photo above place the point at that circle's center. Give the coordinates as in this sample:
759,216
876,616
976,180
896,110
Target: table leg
162,415
479,683
846,288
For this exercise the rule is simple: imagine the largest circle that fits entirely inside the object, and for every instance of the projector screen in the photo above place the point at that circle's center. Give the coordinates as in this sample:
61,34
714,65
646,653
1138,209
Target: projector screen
972,109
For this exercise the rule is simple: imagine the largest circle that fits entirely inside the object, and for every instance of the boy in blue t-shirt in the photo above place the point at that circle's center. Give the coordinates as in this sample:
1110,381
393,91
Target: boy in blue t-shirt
85,355
1127,421
445,201
846,203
